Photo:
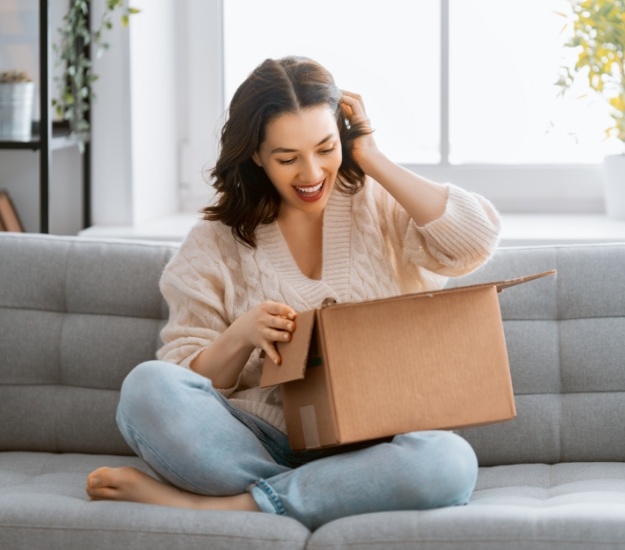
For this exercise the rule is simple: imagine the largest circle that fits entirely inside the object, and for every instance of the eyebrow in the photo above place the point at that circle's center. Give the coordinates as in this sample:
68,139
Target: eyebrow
286,150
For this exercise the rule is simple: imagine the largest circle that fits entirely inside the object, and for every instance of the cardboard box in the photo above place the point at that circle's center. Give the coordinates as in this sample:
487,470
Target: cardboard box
367,370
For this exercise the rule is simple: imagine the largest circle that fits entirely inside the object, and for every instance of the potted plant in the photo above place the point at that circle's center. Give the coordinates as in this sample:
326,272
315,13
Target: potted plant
16,105
77,40
598,38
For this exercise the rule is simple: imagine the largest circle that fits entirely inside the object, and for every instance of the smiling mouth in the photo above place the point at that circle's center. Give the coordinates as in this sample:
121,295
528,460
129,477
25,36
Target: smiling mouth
310,191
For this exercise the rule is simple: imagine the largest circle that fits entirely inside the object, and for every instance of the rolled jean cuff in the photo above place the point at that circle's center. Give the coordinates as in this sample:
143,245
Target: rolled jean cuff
266,498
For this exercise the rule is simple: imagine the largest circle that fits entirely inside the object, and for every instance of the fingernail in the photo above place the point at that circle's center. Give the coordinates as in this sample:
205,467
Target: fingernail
290,316
285,337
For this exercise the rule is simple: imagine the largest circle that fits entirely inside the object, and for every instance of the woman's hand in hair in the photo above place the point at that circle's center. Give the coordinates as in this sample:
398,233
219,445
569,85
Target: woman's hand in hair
266,324
424,200
356,115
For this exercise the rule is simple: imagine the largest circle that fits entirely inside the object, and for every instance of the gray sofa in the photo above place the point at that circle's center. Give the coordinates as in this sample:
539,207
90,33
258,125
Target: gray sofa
77,314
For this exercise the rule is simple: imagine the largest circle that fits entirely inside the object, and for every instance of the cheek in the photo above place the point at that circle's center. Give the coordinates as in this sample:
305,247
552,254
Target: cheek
278,174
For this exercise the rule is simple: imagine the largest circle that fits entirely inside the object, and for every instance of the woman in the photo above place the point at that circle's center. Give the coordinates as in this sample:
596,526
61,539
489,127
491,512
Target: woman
307,208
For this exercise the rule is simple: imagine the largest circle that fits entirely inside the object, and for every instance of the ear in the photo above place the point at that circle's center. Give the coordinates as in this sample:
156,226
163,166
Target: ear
256,159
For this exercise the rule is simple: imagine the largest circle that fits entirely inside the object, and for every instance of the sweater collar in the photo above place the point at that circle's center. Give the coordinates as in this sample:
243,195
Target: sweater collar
334,282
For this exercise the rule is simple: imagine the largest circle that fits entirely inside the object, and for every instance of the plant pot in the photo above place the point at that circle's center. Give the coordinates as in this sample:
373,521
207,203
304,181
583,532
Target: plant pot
614,185
16,109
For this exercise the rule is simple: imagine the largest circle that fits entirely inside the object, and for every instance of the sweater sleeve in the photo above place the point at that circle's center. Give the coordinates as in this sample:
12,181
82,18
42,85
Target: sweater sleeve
194,285
461,240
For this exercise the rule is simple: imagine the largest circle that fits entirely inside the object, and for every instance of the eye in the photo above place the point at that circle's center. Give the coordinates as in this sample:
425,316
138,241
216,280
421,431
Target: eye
327,151
286,162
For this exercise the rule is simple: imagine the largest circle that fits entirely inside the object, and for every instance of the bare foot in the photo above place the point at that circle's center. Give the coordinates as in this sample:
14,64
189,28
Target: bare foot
130,484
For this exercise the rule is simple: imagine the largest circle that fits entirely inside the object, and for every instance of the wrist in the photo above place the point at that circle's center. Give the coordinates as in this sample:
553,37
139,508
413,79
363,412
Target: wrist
373,163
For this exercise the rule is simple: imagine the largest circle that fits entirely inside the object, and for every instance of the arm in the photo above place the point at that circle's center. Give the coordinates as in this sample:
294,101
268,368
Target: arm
443,228
197,285
261,327
424,200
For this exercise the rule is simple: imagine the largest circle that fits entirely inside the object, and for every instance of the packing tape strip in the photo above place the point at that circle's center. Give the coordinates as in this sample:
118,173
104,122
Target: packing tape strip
308,415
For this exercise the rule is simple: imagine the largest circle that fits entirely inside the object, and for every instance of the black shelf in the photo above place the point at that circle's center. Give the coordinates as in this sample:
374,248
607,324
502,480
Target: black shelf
48,136
60,140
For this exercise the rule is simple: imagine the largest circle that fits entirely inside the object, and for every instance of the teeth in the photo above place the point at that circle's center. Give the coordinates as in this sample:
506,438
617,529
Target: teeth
310,190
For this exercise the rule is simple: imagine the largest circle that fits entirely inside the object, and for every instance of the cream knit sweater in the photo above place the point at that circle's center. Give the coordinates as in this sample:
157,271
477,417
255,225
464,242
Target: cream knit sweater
371,249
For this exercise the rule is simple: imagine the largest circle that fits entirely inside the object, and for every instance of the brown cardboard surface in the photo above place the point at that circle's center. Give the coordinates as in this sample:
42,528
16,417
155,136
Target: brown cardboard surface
407,379
294,354
360,371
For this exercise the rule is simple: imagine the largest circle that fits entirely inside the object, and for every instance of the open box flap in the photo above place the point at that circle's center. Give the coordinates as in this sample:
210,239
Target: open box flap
499,285
512,282
294,354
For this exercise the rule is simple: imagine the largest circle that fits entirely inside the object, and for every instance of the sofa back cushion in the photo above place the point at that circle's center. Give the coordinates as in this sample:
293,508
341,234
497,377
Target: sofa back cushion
566,346
76,315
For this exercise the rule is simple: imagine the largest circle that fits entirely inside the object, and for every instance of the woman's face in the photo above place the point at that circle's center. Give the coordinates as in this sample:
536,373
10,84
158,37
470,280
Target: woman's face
301,155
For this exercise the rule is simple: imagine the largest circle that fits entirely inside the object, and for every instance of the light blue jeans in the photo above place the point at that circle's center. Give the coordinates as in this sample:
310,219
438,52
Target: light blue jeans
193,438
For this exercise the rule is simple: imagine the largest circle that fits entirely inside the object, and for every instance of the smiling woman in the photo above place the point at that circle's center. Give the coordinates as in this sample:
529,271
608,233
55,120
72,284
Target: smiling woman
307,169
308,208
266,157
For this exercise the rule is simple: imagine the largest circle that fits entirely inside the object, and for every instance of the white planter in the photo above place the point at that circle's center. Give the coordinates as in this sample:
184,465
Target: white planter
16,109
614,185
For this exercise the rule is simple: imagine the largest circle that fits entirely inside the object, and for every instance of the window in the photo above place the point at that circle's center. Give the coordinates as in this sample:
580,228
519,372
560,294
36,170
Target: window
386,51
458,91
503,101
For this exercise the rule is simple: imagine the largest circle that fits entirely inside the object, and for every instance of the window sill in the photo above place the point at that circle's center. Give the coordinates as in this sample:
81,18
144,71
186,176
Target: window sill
550,229
170,228
517,229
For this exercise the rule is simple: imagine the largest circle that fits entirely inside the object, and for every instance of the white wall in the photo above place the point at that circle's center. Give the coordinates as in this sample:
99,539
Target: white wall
135,130
153,97
111,192
202,97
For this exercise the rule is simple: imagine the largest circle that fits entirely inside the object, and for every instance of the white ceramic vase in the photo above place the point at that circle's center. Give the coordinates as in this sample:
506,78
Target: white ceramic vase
614,185
16,109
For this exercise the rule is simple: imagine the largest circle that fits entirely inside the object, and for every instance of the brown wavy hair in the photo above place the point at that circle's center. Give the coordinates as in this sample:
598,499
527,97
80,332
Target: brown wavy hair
246,196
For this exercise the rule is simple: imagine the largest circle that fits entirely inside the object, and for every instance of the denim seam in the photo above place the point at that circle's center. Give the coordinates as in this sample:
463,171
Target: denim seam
273,497
260,435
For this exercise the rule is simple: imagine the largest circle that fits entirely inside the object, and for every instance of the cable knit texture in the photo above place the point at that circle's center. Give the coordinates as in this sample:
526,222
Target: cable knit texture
371,249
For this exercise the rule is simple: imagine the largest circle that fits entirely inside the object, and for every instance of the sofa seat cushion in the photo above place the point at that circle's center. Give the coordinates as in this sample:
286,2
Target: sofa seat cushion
43,504
562,506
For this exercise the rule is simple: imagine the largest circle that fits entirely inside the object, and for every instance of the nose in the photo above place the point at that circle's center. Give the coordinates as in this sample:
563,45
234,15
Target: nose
311,171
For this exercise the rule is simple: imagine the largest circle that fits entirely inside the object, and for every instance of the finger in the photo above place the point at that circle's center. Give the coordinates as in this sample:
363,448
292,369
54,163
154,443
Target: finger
275,308
355,102
353,95
278,322
272,352
281,323
275,335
